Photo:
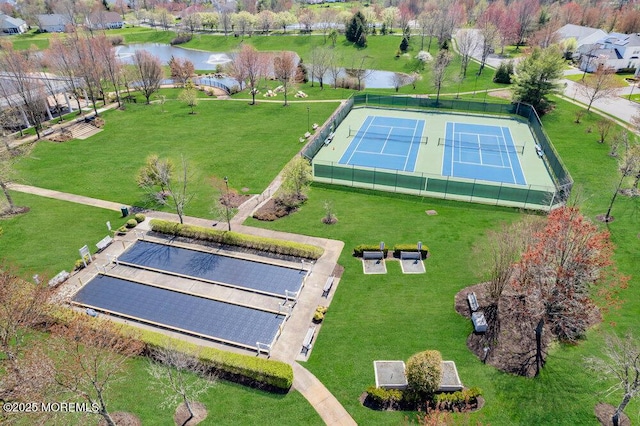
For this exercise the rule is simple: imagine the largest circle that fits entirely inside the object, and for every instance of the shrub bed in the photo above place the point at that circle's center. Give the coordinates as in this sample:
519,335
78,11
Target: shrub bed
270,245
383,399
410,247
359,249
458,401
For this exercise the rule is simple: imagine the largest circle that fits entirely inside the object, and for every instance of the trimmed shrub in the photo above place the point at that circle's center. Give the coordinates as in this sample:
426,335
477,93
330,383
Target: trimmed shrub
458,401
275,374
347,83
139,217
359,249
504,73
424,372
122,230
410,247
269,245
131,223
181,39
383,398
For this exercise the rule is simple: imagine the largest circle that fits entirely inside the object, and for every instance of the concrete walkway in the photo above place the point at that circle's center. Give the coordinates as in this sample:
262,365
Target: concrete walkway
325,404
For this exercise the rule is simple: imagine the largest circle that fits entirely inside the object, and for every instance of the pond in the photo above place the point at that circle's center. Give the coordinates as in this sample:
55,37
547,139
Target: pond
209,61
201,60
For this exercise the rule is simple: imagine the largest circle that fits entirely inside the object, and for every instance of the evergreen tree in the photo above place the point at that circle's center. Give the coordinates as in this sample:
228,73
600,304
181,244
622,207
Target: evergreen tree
504,73
404,45
538,76
356,28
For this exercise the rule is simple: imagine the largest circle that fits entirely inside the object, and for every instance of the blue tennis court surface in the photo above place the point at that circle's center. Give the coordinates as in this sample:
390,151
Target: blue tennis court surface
184,312
476,151
385,143
242,273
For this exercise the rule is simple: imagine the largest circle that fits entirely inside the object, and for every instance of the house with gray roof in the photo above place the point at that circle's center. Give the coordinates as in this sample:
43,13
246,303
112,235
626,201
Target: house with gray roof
104,20
53,23
9,25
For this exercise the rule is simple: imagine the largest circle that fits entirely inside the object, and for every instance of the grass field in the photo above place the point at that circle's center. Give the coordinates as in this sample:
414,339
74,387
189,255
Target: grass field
223,139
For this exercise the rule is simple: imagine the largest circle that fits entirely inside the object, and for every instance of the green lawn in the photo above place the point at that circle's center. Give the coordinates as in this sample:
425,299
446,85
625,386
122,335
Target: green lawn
223,139
46,240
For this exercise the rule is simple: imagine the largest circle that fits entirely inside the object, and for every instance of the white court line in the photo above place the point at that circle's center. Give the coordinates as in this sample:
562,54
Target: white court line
406,161
380,153
360,141
504,140
386,139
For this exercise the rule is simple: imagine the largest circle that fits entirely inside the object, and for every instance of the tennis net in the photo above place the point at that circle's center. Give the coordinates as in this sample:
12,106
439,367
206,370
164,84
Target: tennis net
390,137
473,146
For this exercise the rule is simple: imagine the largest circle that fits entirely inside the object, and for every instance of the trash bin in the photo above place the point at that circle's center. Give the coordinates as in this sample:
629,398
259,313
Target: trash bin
125,211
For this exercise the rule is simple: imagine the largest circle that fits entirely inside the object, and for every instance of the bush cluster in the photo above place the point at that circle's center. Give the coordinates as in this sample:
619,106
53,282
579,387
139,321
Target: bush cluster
275,374
181,39
319,314
424,372
504,73
347,83
270,245
458,401
359,249
139,217
131,223
410,247
384,398
116,40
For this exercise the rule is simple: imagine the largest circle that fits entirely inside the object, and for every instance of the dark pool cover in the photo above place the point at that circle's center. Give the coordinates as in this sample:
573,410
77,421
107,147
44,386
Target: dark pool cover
195,314
239,272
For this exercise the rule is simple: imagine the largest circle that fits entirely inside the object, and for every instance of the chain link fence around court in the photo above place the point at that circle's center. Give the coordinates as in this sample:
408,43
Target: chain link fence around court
539,196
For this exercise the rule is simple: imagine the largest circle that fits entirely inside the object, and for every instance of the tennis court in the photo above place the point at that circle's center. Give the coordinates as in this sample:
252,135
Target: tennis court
386,143
240,273
476,151
174,310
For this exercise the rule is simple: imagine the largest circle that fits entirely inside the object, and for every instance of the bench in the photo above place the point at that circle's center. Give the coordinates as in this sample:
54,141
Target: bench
329,138
373,255
48,132
411,255
307,343
327,286
103,243
473,301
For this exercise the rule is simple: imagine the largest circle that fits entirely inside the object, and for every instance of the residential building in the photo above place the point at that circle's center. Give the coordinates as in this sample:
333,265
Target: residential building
53,23
9,25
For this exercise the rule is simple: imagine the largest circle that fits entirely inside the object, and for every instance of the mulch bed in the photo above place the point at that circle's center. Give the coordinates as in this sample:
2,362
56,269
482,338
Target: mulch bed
604,413
182,414
364,399
236,200
122,418
16,211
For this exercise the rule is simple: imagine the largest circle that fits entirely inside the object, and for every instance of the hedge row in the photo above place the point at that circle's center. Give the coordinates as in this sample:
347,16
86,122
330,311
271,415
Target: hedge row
410,247
270,245
359,249
276,374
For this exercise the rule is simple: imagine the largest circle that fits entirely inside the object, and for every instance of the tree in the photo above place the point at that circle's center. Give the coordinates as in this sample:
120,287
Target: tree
629,166
537,76
404,45
604,126
284,19
182,70
399,79
155,173
620,365
284,69
555,276
356,28
179,194
179,376
189,96
252,64
60,58
88,356
439,70
424,372
266,20
600,85
243,22
467,44
150,73
489,34
525,13
297,175
105,54
389,17
504,73
320,63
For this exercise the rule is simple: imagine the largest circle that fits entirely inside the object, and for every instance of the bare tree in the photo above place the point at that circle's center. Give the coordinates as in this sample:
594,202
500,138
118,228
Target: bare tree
359,69
284,68
105,54
604,127
439,70
621,365
156,173
399,79
600,85
629,166
489,33
150,73
467,44
189,96
179,376
89,355
252,64
427,20
61,59
320,63
178,191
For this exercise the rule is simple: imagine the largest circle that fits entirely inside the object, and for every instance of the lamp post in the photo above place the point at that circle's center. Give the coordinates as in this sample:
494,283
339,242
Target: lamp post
226,202
308,120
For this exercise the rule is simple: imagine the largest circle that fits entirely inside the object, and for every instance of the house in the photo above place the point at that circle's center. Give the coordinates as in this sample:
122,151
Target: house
595,47
9,25
53,23
104,21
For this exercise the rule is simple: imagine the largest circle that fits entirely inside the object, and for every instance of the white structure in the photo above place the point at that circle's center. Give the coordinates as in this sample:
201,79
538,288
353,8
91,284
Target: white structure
595,47
53,23
9,25
104,21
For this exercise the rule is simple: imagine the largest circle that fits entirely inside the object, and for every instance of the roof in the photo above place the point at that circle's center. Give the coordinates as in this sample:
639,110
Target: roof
52,19
104,17
9,22
579,32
